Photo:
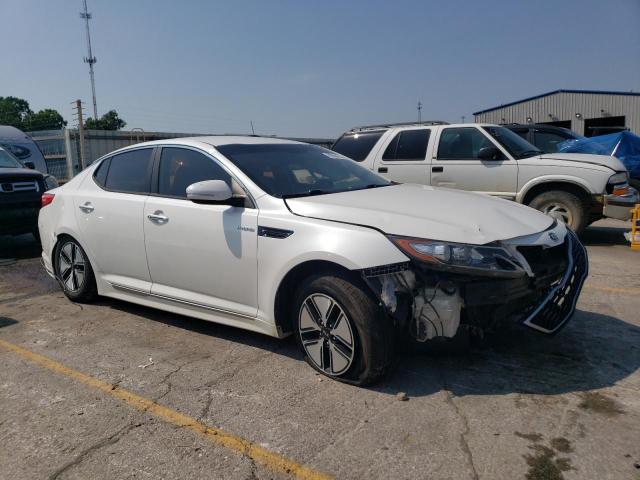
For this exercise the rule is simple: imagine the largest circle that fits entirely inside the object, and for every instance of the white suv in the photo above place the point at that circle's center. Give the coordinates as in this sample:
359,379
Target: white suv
575,188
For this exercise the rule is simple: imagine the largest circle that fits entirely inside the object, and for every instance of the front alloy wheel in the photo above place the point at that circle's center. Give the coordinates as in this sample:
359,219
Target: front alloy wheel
326,334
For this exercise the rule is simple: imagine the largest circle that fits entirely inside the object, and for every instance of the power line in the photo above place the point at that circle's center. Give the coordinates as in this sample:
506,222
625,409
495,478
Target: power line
90,59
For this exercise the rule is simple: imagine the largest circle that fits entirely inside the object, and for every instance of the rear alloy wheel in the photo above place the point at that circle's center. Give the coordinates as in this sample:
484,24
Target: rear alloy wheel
564,207
74,272
342,330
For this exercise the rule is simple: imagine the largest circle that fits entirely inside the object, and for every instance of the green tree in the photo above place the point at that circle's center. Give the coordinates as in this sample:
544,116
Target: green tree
47,119
108,121
13,111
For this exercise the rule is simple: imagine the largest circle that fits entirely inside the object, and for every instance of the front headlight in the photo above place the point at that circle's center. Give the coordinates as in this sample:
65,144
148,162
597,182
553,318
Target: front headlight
50,182
460,257
620,177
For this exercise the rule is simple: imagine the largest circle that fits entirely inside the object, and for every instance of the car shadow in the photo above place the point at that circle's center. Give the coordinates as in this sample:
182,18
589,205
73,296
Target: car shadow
18,247
601,235
594,351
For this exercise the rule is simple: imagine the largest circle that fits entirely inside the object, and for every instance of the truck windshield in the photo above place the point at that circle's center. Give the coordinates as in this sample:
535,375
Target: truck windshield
517,146
8,161
296,170
357,146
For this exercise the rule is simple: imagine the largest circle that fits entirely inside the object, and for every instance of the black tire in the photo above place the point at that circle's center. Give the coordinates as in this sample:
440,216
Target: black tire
74,274
36,235
372,333
564,203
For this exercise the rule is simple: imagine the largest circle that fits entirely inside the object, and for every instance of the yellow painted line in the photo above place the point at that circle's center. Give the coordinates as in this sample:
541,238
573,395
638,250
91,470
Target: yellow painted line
271,460
626,291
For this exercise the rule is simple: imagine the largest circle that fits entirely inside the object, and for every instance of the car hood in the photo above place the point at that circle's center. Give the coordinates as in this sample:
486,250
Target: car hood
426,212
23,172
604,160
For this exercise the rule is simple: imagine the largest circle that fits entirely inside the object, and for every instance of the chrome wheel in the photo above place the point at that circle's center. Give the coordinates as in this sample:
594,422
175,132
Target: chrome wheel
71,267
326,334
558,211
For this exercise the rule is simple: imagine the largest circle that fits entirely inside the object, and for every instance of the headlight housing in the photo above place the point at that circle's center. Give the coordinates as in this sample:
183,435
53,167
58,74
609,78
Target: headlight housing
618,183
492,260
50,182
620,177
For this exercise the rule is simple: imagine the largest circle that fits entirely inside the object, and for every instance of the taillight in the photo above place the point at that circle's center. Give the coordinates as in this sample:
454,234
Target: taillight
46,199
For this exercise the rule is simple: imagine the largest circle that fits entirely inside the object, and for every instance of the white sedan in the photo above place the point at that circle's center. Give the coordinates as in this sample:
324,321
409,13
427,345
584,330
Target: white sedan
282,237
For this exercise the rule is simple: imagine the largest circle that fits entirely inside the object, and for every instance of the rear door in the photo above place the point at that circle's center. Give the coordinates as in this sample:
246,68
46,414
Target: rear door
109,208
406,158
456,163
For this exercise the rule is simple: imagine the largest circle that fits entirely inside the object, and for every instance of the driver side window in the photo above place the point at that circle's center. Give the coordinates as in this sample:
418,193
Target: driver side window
180,167
461,143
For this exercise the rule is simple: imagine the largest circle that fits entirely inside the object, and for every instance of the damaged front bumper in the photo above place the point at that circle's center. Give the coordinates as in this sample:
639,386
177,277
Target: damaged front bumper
429,303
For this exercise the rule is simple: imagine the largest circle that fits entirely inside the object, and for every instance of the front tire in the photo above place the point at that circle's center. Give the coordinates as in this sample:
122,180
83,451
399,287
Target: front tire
73,271
563,206
343,333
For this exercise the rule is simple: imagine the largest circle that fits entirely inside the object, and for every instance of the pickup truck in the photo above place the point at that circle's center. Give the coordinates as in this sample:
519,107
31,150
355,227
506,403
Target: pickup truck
577,189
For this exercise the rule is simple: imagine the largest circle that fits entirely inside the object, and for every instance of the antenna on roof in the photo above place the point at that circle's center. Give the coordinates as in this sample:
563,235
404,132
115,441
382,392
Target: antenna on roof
419,112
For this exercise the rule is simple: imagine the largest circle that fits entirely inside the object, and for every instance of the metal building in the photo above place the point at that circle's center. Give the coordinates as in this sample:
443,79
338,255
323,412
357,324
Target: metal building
587,112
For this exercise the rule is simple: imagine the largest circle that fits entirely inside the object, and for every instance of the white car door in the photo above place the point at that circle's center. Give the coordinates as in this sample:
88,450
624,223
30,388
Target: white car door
406,158
109,208
200,254
456,163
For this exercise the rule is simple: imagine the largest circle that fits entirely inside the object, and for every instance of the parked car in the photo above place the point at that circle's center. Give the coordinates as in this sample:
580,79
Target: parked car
23,148
544,137
576,189
20,195
282,237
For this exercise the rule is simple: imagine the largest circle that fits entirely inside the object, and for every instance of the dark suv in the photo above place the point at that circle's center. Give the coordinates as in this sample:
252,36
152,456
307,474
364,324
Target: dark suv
21,190
545,137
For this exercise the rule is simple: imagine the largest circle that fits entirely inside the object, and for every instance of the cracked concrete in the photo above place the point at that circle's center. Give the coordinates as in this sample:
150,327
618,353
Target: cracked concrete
477,415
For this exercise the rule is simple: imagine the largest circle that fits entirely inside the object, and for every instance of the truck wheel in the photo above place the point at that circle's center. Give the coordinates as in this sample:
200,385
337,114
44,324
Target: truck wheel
73,271
563,206
342,331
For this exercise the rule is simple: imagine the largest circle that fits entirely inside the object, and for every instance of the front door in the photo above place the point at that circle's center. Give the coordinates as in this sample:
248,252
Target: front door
205,255
456,164
109,209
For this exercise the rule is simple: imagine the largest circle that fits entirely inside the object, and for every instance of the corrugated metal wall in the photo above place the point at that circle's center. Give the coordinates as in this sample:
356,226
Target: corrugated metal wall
564,106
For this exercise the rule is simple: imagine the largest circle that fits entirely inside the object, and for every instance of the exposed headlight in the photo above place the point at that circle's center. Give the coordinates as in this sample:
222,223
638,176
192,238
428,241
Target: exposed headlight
50,182
460,257
620,177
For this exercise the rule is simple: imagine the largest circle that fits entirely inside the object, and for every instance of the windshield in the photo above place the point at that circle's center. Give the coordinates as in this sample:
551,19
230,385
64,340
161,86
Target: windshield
517,146
8,161
294,170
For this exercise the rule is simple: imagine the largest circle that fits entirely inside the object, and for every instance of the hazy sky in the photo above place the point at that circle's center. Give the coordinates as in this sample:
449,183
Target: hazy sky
312,68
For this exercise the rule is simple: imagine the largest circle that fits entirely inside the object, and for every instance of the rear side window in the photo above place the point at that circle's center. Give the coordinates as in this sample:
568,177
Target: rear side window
357,146
130,172
461,143
548,141
180,167
100,175
408,145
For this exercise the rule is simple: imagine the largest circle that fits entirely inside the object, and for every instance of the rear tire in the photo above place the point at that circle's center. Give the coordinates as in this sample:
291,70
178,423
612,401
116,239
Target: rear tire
343,333
73,271
563,206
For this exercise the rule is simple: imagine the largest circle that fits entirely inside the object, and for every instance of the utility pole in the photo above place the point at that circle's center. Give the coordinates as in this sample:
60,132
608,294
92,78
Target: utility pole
419,112
252,131
81,162
90,59
462,118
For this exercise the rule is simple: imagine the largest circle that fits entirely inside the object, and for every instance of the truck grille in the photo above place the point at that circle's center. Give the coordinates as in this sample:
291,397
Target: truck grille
560,301
18,186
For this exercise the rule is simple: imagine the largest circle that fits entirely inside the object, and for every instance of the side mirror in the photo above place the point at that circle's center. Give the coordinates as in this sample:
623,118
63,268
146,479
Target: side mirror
30,165
209,191
489,153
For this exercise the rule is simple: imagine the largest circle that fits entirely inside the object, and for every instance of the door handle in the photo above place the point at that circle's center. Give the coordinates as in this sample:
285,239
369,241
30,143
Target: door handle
383,169
87,207
158,217
437,169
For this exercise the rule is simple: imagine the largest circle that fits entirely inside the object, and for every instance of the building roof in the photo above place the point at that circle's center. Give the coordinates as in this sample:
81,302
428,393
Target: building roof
597,92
